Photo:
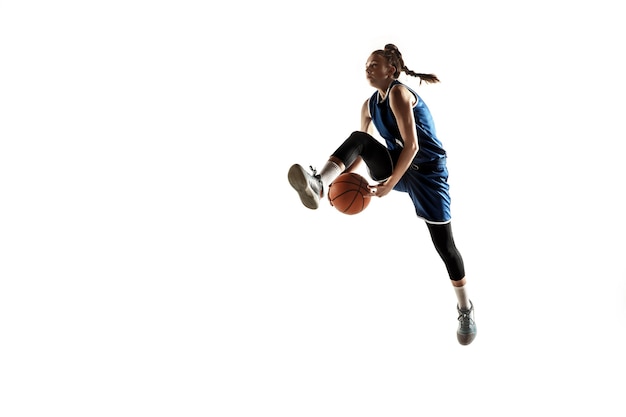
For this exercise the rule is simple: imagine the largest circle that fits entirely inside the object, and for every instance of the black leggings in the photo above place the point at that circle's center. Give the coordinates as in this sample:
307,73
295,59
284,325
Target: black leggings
441,235
380,161
375,155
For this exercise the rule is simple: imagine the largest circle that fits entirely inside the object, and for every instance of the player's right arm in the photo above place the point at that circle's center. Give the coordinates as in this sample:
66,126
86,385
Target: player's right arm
366,119
366,126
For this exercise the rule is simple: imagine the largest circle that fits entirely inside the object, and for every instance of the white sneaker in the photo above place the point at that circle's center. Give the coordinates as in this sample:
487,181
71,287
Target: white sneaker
467,326
308,186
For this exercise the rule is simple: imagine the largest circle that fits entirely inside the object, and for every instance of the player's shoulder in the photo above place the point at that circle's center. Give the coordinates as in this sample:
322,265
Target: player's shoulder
399,88
401,92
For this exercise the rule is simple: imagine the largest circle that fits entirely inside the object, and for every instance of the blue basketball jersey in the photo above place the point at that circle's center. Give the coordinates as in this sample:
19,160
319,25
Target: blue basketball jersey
430,148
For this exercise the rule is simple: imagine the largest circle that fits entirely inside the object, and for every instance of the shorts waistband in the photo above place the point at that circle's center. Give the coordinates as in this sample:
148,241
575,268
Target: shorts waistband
430,165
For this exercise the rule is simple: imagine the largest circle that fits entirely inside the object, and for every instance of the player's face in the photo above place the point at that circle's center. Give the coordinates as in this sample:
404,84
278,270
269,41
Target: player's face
378,71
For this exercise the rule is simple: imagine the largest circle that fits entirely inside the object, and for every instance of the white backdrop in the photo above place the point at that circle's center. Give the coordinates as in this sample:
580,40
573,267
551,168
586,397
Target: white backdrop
154,260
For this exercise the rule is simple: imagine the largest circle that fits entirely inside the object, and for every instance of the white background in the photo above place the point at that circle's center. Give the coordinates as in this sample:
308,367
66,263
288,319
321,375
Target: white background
154,260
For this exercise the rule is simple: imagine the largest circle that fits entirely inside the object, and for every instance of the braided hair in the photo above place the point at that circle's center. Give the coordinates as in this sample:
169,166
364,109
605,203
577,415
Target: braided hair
392,54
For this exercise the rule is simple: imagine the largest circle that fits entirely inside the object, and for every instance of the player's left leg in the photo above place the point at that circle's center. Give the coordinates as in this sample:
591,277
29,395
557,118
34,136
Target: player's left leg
311,185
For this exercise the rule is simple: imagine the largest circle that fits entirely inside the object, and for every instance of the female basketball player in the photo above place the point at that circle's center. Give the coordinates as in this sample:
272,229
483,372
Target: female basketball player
413,161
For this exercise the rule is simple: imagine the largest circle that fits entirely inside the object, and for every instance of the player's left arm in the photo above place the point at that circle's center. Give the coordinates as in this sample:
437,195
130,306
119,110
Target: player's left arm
401,101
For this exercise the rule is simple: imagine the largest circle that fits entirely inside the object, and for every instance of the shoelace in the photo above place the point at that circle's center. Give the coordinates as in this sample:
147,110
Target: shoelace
465,318
317,177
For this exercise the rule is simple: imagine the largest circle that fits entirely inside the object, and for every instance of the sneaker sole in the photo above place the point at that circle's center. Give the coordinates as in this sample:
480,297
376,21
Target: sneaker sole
299,181
466,339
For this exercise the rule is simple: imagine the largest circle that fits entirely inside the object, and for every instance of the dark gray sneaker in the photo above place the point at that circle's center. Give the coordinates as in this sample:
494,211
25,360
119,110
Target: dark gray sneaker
467,326
308,186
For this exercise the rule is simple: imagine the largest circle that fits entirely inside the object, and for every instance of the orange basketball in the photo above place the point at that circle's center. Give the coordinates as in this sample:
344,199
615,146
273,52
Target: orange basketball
349,193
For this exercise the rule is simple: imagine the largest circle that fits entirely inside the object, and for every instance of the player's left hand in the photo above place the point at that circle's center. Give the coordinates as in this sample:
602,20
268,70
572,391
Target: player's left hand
381,189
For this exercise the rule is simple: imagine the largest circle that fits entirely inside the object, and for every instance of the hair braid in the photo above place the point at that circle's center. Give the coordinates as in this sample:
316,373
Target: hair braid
392,54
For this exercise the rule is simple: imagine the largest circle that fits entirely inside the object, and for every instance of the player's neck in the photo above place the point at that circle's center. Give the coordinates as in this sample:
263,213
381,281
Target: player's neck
384,90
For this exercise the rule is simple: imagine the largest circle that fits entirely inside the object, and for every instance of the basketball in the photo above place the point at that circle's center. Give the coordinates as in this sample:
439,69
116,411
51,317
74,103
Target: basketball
349,193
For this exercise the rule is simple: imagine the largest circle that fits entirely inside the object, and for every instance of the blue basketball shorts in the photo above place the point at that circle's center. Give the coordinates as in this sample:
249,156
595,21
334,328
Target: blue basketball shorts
429,190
